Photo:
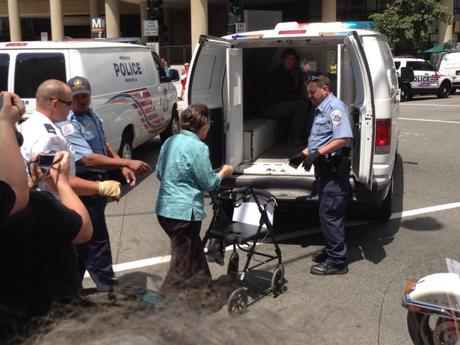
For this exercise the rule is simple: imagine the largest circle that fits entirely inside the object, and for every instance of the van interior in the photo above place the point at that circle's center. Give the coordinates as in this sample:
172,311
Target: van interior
259,144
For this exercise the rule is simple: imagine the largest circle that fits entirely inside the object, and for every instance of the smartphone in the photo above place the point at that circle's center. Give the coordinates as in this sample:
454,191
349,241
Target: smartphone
46,159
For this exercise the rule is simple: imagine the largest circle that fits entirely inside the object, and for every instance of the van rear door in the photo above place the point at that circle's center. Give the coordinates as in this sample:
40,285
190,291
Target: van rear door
207,83
363,112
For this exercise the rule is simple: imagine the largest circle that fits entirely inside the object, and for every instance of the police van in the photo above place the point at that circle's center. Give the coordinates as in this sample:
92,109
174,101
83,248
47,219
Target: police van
449,63
225,74
130,90
427,80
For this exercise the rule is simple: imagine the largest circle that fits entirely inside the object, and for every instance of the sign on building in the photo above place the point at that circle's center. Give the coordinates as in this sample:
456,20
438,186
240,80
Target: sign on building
44,36
155,46
98,27
150,27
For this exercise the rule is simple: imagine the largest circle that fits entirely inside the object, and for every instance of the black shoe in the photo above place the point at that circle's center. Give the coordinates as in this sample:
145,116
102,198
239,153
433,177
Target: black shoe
328,268
218,258
319,257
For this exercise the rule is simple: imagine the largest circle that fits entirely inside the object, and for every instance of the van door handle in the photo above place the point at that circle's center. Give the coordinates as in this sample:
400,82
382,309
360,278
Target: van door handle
165,91
228,126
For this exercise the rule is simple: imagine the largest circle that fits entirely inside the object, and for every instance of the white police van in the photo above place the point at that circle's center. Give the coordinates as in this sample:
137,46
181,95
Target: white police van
427,80
130,90
449,63
225,73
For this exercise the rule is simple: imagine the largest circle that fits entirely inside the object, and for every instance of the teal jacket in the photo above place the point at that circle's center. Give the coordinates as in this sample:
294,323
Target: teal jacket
185,172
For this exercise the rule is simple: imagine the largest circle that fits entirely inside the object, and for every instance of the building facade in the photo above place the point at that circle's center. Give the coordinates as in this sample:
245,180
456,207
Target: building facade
184,20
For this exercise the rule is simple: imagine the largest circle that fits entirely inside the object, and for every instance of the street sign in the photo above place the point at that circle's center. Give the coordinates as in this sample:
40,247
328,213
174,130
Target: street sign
97,27
150,27
155,46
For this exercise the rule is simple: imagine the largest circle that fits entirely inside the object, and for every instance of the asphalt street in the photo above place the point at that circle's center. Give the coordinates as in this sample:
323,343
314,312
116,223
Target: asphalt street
364,306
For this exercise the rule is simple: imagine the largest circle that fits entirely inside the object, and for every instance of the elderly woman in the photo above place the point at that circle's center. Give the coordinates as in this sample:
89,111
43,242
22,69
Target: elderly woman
185,172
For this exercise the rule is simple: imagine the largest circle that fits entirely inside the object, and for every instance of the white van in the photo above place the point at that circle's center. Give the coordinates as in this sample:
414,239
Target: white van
130,90
449,63
226,72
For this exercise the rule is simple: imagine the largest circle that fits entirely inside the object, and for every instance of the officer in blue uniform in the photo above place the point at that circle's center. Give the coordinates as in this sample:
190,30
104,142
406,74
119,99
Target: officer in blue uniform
328,150
94,156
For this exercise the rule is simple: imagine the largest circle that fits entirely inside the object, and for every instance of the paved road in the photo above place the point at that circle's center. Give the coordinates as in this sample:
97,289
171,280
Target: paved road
362,307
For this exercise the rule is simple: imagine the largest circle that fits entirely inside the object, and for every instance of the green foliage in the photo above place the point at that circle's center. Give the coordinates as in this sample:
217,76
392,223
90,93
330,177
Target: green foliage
407,23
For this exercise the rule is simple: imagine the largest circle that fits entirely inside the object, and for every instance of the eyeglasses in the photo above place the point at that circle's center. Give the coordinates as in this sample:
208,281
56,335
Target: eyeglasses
67,103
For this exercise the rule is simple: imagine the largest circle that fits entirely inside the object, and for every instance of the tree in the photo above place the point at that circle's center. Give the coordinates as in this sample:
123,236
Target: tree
407,23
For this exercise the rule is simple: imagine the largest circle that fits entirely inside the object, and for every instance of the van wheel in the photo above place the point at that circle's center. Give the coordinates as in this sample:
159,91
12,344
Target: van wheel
126,146
405,93
173,127
382,212
444,90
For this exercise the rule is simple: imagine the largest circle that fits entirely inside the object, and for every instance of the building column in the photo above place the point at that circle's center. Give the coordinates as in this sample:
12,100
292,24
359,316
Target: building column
14,20
329,11
144,16
93,9
112,18
445,30
199,20
57,24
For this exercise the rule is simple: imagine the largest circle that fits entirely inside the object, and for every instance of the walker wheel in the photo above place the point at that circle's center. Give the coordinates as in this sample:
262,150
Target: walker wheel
278,281
237,302
233,263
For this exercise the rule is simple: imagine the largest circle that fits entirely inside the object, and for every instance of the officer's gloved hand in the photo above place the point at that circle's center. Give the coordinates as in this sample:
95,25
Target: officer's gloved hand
297,159
308,161
110,189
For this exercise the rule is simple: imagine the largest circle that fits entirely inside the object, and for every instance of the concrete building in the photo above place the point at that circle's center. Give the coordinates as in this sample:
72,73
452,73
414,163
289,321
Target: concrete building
184,20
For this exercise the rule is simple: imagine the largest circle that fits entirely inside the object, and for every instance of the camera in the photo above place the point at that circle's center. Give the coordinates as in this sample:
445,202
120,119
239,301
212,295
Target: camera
46,159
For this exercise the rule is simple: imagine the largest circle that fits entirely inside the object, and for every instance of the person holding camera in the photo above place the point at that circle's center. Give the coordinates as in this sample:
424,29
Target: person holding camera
185,172
14,191
36,238
95,158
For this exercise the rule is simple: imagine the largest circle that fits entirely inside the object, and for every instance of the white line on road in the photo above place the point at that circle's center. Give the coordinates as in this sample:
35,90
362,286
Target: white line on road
430,104
164,259
428,120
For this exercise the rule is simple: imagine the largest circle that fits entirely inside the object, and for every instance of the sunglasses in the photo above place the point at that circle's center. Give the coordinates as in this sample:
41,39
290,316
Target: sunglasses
67,103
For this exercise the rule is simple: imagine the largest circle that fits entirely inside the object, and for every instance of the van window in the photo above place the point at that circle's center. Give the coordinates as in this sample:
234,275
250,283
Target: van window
415,65
160,69
397,64
4,64
34,68
426,66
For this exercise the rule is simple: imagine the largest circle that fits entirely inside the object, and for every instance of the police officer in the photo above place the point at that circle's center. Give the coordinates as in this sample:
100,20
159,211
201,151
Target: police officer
40,134
94,156
328,149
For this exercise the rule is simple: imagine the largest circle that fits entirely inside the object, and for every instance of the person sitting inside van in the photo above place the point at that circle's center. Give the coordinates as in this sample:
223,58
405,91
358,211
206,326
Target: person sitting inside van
283,96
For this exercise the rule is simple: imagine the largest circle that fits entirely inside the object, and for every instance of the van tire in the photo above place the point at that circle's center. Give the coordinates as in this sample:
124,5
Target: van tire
405,93
444,90
382,212
173,126
126,146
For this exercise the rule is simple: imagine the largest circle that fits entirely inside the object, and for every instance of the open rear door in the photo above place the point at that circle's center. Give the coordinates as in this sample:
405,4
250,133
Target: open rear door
233,97
363,113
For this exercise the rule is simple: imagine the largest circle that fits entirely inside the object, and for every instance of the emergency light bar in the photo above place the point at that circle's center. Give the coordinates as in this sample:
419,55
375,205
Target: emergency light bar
238,36
293,28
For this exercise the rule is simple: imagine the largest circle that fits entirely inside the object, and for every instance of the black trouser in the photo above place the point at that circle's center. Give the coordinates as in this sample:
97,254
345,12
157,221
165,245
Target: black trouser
188,267
96,255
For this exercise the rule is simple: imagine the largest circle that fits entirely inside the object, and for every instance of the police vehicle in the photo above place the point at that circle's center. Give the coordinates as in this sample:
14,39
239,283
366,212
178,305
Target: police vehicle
130,90
427,81
449,63
226,74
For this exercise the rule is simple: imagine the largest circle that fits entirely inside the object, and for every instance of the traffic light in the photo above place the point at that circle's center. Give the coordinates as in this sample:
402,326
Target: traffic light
155,11
235,7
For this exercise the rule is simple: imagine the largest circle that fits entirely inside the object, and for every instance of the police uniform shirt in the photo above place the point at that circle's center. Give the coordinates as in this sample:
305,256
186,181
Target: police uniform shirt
331,122
42,135
86,135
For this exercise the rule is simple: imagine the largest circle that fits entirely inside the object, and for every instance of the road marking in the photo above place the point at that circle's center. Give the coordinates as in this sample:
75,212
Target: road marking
428,120
164,259
430,104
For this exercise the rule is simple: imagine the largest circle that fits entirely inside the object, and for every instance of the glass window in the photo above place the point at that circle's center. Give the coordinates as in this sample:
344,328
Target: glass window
34,68
426,66
4,63
415,65
397,64
159,67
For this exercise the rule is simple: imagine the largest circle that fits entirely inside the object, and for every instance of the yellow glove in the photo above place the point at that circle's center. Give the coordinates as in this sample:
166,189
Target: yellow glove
110,189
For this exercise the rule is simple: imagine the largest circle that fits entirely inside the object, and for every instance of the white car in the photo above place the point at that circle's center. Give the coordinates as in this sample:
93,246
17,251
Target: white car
427,81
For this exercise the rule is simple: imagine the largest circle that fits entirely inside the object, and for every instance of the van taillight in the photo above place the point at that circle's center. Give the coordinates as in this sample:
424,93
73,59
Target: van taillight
383,136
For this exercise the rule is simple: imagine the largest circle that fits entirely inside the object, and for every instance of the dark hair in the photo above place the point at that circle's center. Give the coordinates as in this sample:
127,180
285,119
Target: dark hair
194,117
289,51
320,80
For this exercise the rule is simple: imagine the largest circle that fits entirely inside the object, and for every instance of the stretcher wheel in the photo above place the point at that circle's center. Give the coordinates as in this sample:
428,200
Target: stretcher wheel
278,281
233,263
237,302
